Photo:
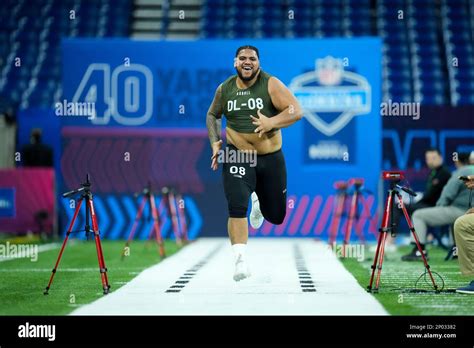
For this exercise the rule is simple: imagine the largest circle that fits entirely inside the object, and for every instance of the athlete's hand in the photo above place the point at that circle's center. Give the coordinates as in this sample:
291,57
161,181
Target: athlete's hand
264,124
216,146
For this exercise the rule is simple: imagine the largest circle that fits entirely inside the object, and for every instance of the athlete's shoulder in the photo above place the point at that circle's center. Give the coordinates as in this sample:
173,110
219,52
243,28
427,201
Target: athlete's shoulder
228,80
226,86
269,80
265,75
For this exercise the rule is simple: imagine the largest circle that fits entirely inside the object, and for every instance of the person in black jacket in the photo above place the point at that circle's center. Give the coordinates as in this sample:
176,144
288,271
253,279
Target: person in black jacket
37,154
438,177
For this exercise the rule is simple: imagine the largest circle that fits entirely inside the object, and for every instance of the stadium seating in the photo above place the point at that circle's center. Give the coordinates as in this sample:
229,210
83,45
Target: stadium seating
428,46
419,36
32,32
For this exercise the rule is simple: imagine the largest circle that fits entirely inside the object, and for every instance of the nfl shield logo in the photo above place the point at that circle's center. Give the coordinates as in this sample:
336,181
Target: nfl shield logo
330,90
329,71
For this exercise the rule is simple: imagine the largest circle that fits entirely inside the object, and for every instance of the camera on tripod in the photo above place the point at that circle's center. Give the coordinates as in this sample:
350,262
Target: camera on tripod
394,178
91,217
393,175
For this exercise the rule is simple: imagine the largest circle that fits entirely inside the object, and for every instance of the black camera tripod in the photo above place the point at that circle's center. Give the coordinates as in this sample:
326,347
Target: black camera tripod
387,226
86,194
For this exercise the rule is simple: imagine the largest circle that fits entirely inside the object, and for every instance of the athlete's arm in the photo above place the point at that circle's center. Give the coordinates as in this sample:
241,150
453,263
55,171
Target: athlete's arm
285,102
214,125
214,117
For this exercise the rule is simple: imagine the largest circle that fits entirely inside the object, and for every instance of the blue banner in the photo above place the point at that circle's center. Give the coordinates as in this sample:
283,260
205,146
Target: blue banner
149,99
7,203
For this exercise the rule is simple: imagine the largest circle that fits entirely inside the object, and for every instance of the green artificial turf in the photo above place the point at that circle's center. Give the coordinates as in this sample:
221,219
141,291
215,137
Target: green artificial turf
77,281
398,280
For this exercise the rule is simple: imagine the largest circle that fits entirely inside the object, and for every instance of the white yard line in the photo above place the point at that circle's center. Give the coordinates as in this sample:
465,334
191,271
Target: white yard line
273,289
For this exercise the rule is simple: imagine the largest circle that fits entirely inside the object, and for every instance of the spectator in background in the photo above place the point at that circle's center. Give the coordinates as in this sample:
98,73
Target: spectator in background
37,154
464,234
437,179
8,130
453,202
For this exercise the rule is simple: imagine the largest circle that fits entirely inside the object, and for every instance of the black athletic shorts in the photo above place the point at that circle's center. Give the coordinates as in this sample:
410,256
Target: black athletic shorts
264,174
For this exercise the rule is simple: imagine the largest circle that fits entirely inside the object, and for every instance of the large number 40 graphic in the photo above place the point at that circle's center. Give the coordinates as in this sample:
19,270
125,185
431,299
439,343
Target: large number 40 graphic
126,95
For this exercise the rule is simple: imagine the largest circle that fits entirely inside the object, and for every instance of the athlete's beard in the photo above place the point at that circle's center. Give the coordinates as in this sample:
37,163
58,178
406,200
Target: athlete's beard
247,78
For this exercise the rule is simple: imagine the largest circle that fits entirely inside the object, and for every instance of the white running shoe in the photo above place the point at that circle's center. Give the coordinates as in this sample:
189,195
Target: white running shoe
256,217
241,269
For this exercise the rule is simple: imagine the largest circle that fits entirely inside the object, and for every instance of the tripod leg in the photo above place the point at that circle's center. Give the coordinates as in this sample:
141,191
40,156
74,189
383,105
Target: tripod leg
182,219
381,242
379,267
377,251
337,218
174,220
73,221
350,222
159,210
135,224
100,254
156,227
358,226
415,236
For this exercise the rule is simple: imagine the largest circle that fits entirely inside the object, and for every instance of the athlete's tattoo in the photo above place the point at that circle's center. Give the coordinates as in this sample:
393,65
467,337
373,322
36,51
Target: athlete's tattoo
214,117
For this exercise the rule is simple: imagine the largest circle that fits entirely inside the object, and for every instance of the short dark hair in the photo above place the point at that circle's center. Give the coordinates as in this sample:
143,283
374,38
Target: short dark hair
463,157
250,47
433,149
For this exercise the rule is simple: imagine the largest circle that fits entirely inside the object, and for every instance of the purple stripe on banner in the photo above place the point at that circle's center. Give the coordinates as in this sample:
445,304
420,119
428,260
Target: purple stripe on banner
303,203
313,211
323,219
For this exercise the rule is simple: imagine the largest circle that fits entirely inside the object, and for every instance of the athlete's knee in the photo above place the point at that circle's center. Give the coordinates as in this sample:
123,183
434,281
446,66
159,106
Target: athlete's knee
237,211
278,220
275,217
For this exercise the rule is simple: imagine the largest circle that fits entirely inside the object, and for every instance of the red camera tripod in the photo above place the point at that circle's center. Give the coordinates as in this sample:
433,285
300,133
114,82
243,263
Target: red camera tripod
173,202
353,214
394,178
86,195
149,197
341,194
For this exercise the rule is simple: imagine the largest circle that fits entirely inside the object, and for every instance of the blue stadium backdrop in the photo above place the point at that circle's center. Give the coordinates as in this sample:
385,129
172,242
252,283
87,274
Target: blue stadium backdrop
151,100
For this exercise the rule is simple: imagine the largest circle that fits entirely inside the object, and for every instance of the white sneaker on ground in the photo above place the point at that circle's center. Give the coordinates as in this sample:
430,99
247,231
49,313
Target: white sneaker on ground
256,217
241,269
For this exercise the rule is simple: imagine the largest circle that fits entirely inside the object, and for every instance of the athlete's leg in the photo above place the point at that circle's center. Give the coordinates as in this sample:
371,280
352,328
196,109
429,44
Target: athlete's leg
238,230
239,183
271,186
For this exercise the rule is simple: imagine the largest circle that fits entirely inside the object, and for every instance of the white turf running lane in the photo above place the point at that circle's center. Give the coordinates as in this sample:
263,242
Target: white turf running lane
281,270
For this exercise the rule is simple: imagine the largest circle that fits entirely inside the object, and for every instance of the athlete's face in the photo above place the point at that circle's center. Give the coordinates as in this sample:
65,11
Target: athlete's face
247,64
